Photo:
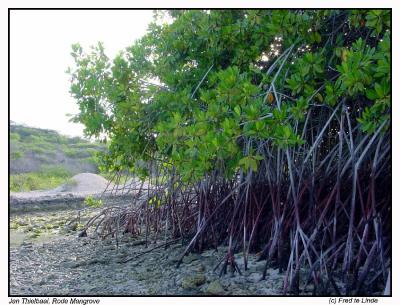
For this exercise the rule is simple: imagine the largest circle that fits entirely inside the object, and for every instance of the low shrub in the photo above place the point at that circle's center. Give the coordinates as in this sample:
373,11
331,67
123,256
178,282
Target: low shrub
49,177
92,202
16,155
14,136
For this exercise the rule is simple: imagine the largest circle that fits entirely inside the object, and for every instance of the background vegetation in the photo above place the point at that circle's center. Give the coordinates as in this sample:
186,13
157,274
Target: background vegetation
43,159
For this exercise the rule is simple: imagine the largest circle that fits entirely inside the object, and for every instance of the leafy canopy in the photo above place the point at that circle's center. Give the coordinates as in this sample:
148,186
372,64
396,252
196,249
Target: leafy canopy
197,93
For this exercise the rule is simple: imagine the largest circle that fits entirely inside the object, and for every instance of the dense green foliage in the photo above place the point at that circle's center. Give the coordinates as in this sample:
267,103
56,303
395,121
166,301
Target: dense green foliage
191,91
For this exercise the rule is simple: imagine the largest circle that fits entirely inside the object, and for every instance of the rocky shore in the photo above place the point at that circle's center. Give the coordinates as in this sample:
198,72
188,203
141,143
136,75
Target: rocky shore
47,258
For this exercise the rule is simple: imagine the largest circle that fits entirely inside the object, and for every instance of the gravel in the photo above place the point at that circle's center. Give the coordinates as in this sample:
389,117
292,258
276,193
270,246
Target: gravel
47,257
57,262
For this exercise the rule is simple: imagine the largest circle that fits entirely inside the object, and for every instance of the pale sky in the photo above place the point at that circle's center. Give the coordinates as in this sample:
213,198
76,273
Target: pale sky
40,49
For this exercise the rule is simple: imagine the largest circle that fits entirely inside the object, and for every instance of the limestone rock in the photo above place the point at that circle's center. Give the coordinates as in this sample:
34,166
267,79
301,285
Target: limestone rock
215,288
194,281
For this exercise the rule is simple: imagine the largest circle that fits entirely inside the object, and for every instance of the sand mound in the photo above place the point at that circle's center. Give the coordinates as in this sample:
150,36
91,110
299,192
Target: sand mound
79,186
84,183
